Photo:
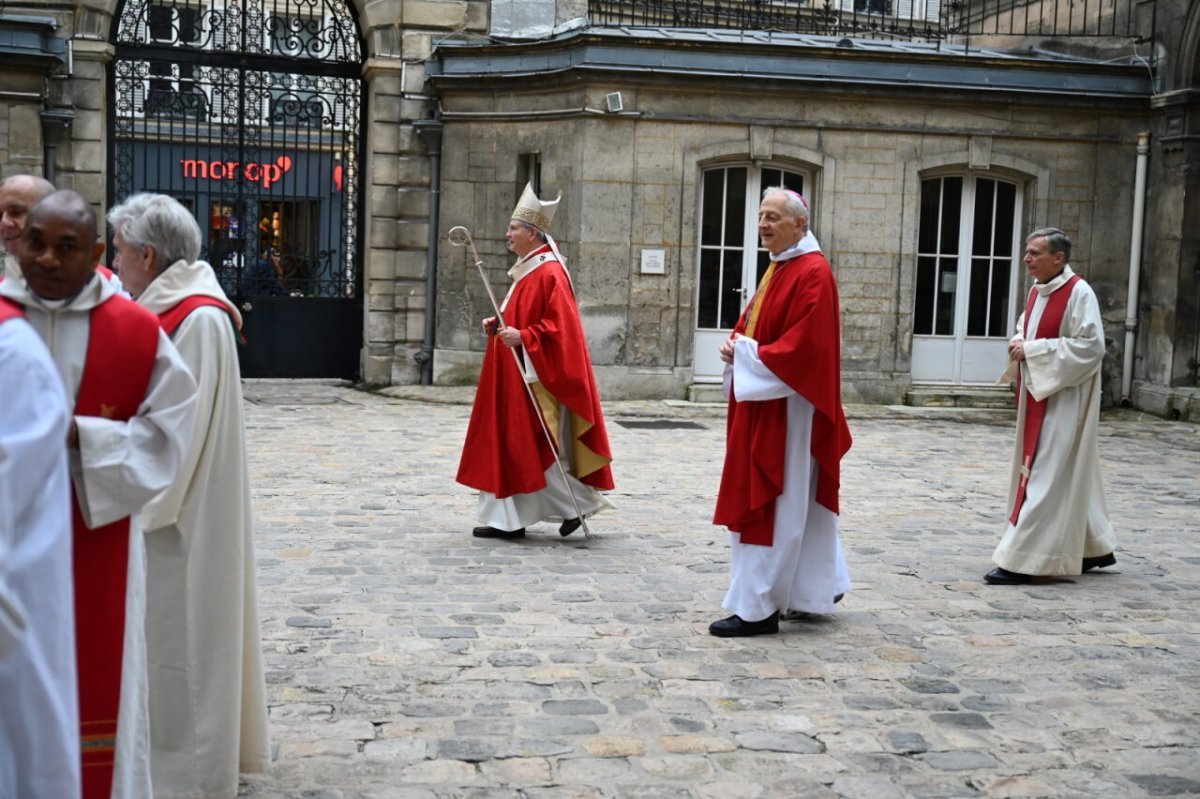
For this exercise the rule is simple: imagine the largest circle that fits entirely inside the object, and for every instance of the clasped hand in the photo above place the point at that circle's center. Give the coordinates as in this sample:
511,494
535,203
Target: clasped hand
1016,349
509,336
726,350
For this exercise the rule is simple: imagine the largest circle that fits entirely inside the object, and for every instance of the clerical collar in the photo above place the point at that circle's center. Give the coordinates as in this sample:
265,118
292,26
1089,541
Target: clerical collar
1055,283
803,247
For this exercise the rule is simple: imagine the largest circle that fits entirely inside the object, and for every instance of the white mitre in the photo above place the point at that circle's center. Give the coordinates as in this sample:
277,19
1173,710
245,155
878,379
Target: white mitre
533,211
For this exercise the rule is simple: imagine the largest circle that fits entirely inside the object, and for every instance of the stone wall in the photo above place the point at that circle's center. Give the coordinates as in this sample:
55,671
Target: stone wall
630,181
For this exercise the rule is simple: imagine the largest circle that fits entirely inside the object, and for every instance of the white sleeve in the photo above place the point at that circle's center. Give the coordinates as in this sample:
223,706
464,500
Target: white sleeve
122,465
33,462
752,380
1052,364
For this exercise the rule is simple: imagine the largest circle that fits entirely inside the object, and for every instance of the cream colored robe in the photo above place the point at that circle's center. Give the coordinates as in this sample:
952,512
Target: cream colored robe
1064,518
208,710
39,723
118,468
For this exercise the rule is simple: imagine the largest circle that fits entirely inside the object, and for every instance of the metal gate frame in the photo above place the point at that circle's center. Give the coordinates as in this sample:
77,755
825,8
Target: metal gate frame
244,111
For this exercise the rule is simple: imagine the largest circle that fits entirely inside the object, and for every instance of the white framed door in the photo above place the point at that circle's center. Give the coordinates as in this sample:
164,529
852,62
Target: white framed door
731,262
967,267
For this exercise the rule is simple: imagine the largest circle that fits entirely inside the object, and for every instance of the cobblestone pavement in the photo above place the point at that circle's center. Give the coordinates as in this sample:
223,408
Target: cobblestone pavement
407,659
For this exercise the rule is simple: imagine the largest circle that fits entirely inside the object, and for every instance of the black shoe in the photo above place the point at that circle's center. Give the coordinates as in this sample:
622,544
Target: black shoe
999,576
838,598
493,532
569,526
737,627
1099,562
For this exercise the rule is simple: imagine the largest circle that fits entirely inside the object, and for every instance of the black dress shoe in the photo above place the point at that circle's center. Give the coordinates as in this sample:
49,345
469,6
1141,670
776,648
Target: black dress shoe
493,532
737,627
838,598
569,526
1099,562
999,576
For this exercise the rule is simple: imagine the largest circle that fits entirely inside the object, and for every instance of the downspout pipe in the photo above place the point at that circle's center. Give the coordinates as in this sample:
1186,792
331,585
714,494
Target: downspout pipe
430,131
1135,266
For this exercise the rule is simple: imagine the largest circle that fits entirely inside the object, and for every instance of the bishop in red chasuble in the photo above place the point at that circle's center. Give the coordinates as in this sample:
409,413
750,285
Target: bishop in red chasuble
507,456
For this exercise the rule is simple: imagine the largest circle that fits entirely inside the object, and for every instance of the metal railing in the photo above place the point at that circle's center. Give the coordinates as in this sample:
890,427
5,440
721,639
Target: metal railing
909,20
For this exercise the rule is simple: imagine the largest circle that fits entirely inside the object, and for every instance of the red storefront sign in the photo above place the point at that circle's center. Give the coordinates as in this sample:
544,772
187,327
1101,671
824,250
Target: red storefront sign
266,173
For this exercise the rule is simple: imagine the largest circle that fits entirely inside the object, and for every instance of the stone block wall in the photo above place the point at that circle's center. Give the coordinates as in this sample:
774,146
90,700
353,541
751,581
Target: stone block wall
631,181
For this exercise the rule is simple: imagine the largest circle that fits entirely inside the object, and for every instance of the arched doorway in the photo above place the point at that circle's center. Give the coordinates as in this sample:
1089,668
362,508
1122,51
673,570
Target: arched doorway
248,112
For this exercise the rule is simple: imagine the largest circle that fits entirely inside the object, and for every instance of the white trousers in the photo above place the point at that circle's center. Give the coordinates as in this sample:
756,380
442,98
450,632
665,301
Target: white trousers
805,568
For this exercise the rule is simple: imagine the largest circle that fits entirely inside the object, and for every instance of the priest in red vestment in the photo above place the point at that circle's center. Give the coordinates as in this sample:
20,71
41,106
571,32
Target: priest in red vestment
134,406
507,456
786,433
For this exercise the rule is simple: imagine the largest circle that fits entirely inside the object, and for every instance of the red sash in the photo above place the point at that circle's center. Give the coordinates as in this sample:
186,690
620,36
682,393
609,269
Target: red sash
172,318
9,309
122,344
1035,410
104,271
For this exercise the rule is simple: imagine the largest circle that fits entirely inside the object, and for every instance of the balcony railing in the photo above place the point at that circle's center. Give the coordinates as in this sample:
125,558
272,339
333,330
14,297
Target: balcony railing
908,20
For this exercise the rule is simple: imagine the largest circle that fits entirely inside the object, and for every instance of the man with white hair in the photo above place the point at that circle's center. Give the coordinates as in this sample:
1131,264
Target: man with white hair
507,457
786,434
208,713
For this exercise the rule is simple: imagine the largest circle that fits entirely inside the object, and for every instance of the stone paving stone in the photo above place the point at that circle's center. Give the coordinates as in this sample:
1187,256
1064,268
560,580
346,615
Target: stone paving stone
407,660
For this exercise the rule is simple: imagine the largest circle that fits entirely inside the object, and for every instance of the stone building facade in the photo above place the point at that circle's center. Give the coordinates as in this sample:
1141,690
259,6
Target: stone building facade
654,135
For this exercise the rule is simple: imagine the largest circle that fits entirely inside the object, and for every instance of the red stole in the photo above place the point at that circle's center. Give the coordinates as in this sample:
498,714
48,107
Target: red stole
9,309
1035,410
122,344
506,452
798,338
172,318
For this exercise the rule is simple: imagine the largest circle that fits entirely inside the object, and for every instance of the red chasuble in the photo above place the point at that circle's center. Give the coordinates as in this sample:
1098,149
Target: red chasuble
506,451
122,344
1049,326
798,340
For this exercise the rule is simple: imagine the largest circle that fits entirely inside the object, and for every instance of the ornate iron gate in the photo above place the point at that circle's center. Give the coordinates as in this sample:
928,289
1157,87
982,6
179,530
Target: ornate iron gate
248,112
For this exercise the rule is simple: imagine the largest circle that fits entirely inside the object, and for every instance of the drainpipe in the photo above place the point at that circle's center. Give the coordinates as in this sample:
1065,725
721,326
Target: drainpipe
55,124
430,131
1135,266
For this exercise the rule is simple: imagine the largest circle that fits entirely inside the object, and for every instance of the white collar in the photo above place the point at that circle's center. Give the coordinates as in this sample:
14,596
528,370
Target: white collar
1057,282
803,247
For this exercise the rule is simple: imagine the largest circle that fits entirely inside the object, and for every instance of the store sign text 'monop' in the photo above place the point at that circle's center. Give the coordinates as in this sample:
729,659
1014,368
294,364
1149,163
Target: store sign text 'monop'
266,173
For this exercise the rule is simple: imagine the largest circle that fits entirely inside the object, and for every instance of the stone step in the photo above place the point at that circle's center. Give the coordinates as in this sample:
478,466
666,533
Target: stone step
705,392
938,396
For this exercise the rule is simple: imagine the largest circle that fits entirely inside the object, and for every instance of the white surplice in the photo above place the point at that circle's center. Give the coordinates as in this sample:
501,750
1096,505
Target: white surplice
208,709
805,567
1064,517
118,467
39,723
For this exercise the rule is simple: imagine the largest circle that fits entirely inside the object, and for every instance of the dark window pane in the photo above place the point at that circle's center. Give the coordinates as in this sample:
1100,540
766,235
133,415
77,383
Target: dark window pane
731,281
1006,203
764,260
770,177
951,208
923,313
981,237
998,316
735,207
710,288
161,23
710,215
977,304
947,289
931,195
794,181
